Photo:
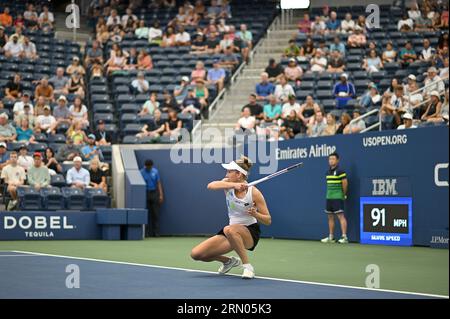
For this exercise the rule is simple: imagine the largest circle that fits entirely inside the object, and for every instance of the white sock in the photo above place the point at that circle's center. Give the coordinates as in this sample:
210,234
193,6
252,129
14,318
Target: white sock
248,266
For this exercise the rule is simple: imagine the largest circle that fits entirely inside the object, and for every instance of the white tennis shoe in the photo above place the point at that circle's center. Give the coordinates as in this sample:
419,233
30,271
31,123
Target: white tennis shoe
249,272
226,267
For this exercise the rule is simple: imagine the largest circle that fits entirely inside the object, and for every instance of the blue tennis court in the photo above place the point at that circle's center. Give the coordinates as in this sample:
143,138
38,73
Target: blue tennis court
34,275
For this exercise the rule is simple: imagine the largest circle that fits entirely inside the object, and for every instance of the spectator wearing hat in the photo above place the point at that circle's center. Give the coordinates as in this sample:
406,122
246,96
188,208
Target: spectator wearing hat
256,109
216,75
13,175
274,70
407,122
343,91
407,55
433,77
68,151
24,160
433,108
46,122
38,175
18,108
140,85
7,131
264,88
14,89
13,48
371,98
61,113
91,150
75,66
181,91
357,39
45,90
59,82
336,63
293,72
289,106
4,156
318,62
77,176
102,136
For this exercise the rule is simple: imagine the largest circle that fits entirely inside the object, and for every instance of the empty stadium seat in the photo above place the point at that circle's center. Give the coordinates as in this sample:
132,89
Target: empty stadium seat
75,198
52,198
29,198
96,198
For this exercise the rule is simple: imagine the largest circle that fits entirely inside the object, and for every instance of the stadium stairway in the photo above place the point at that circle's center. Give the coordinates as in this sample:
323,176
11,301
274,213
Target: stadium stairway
229,108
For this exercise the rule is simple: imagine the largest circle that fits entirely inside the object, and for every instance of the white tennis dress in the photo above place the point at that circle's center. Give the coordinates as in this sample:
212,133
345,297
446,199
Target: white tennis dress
237,208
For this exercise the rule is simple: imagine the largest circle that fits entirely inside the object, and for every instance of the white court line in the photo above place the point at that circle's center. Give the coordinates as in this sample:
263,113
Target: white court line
19,256
213,272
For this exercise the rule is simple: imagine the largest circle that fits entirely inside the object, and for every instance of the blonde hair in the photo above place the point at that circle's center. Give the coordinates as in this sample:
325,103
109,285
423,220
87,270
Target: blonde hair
244,163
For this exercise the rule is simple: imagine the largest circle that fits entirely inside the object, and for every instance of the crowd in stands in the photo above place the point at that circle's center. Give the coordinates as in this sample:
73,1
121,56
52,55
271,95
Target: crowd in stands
294,98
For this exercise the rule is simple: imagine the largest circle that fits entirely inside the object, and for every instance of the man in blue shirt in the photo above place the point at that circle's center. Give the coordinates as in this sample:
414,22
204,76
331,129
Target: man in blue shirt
333,23
216,75
343,91
338,45
155,196
265,88
91,150
4,156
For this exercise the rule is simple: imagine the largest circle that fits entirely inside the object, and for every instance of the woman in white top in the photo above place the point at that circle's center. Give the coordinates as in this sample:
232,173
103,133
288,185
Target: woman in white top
246,122
246,207
79,112
283,90
389,55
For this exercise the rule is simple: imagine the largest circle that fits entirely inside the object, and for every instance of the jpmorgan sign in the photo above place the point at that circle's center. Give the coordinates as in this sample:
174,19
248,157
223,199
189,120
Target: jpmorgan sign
49,225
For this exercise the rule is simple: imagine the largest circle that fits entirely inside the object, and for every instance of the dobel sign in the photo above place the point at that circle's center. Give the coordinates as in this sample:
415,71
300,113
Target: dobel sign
36,222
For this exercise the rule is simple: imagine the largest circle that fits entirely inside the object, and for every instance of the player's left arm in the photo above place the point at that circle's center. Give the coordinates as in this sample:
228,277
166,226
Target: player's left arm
259,209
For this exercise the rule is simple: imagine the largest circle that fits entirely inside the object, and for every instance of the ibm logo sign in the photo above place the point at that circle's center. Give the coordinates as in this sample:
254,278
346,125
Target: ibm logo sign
382,187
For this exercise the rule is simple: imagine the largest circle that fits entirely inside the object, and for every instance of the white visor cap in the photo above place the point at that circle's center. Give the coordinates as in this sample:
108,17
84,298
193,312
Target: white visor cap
233,166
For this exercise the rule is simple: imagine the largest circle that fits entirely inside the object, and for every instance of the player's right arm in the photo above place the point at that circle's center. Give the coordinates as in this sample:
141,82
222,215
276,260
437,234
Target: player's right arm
225,184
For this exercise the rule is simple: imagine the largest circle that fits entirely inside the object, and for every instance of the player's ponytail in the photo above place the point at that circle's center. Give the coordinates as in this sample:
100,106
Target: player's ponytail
245,163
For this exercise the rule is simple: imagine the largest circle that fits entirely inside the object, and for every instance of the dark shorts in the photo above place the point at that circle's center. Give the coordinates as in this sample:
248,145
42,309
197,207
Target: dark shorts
334,206
254,230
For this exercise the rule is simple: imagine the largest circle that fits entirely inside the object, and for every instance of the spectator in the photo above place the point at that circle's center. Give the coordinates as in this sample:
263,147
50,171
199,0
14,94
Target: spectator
432,77
389,54
144,61
245,35
24,160
336,63
168,39
442,46
24,132
319,124
75,66
405,24
323,47
348,25
182,38
94,54
444,70
331,127
247,122
423,23
292,125
68,151
3,39
38,175
90,151
128,16
140,85
394,106
309,107
343,91
356,126
51,163
226,42
78,112
433,109
19,21
116,62
304,25
77,176
338,45
19,105
372,63
27,114
14,88
168,102
113,20
7,131
318,62
154,128
427,53
414,12
292,51
6,19
61,113
371,97
345,121
407,55
213,44
59,82
216,76
45,122
289,106
357,39
256,110
154,34
102,136
390,90
412,95
199,73
39,106
180,91
265,88
272,110
333,24
29,49
308,50
77,133
293,72
283,90
43,89
4,156
173,125
13,48
150,105
407,122
318,26
97,178
46,19
229,60
274,70
13,176
97,71
201,93
198,45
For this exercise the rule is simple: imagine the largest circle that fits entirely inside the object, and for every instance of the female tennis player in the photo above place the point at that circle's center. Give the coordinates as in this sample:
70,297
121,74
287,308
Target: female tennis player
246,207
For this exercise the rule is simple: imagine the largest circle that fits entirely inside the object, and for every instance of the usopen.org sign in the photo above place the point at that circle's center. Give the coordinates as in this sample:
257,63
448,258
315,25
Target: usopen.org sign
48,225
